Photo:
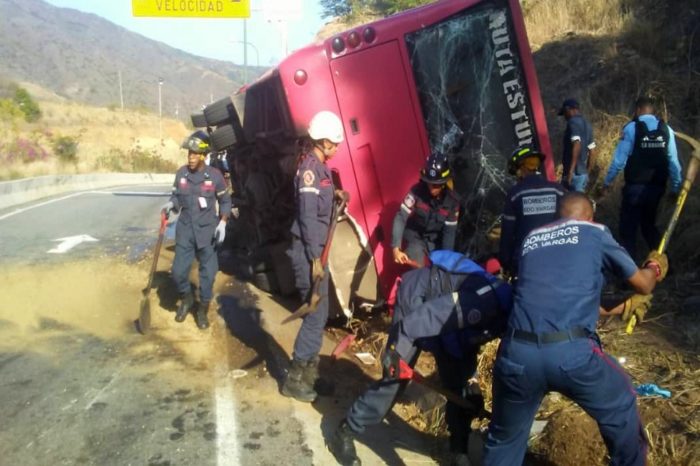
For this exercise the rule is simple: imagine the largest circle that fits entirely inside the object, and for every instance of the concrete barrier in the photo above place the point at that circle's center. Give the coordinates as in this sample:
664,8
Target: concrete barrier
17,192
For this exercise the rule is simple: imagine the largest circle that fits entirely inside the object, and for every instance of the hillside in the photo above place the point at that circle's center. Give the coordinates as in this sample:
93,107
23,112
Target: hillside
79,56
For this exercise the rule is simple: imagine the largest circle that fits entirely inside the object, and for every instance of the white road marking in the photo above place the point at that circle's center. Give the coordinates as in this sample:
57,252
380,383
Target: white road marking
51,201
226,426
69,242
41,204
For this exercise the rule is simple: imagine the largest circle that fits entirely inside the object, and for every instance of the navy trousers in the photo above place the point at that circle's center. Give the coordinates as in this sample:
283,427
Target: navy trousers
640,204
373,405
578,369
185,252
308,342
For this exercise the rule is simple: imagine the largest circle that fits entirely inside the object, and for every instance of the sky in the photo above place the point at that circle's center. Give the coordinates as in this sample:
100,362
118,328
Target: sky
215,38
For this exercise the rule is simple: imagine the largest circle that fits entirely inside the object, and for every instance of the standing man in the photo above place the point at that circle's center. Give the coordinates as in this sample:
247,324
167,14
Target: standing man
315,196
647,153
196,191
550,343
449,309
579,147
428,216
531,203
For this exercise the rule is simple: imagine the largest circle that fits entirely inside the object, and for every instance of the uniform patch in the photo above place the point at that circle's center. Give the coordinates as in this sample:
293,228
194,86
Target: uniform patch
537,205
409,200
308,178
183,181
208,182
474,316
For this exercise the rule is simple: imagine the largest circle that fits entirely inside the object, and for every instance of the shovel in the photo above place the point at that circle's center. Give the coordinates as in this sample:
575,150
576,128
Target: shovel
145,310
687,184
315,296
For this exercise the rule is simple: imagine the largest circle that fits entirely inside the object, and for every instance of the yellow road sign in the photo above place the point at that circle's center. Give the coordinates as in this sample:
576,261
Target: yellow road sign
192,8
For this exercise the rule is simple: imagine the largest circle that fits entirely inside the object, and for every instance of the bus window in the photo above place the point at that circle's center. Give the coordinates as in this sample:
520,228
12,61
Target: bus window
472,92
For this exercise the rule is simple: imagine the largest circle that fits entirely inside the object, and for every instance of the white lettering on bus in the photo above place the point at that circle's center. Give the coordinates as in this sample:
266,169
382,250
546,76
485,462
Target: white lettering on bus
511,84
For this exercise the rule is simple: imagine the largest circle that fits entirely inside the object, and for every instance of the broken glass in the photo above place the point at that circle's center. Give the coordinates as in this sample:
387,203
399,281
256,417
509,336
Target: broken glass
476,109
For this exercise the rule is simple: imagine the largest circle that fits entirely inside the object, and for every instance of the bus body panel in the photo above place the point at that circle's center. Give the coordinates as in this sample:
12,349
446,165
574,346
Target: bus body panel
454,75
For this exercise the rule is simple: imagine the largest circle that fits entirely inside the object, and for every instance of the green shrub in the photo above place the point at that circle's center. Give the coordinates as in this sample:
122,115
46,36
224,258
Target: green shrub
9,110
65,148
29,107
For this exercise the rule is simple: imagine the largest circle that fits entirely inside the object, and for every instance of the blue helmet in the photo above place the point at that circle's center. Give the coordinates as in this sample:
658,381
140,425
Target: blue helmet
436,170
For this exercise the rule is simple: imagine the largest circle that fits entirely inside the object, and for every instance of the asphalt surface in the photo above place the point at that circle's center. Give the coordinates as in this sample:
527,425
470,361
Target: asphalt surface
78,384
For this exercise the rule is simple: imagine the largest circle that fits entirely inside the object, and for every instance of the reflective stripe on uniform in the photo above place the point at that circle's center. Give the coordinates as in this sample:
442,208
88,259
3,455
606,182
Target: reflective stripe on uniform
483,290
406,209
451,223
310,190
460,317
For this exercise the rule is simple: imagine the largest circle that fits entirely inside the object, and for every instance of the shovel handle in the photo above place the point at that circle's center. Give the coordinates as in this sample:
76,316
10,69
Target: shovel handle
687,184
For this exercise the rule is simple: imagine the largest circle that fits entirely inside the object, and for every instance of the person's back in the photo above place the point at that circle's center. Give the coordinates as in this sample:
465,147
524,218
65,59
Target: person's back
560,270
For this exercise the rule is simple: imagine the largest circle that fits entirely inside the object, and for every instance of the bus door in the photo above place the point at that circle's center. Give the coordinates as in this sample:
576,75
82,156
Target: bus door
383,136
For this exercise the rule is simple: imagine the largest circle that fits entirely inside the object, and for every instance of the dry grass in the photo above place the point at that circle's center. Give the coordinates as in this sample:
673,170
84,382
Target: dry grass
548,19
99,132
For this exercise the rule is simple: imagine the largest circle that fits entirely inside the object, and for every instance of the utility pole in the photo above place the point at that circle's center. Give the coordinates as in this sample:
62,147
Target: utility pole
121,93
160,109
245,51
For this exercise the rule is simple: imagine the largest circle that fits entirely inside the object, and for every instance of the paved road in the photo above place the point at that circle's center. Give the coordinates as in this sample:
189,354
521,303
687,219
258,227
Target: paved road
79,386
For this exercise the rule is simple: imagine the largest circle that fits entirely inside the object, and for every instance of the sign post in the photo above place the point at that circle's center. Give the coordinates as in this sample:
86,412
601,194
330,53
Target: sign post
191,8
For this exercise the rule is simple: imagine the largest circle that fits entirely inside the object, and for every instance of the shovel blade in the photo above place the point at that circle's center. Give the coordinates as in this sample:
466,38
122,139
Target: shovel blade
145,316
304,309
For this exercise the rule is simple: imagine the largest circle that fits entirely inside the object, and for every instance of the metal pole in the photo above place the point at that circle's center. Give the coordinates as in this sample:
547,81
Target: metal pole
245,51
160,109
121,93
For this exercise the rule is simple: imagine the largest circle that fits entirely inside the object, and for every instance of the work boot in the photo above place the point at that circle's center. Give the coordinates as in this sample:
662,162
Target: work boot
323,387
186,304
342,446
201,316
295,386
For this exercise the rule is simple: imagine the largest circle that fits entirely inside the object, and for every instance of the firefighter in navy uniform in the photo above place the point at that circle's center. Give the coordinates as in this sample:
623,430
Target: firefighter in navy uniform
428,216
449,309
647,153
315,196
196,191
531,203
550,343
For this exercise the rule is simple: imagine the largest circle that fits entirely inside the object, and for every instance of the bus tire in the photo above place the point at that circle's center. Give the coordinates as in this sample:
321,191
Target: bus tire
219,112
223,137
198,120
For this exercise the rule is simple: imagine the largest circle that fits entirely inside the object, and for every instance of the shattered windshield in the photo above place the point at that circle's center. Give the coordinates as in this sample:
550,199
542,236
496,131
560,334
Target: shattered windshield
474,101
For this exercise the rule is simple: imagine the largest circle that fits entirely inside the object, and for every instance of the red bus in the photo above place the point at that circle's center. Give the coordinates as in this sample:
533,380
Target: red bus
454,75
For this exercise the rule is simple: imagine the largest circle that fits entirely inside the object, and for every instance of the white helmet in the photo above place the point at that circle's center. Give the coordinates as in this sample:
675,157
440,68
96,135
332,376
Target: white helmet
326,125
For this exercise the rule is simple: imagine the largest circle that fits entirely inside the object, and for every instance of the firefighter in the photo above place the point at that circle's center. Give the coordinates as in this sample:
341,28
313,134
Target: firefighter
427,218
647,153
531,203
315,196
550,343
449,309
197,190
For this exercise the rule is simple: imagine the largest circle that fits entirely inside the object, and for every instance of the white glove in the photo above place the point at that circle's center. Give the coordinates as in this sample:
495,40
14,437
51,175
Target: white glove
220,233
167,208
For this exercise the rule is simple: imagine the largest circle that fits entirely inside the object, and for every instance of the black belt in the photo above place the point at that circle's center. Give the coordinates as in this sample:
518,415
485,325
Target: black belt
552,337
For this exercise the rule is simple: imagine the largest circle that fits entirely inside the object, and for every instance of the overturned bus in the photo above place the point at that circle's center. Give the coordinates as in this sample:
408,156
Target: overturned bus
455,76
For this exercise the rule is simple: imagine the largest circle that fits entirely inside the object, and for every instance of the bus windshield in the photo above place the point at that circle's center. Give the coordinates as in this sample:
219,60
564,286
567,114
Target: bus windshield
471,88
